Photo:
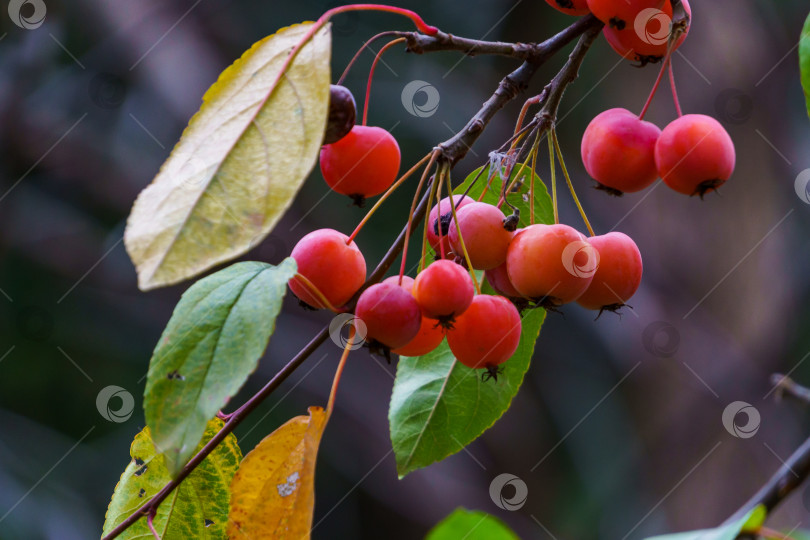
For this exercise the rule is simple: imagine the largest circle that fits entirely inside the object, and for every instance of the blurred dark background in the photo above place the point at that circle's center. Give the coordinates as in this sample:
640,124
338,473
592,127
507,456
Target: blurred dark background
617,430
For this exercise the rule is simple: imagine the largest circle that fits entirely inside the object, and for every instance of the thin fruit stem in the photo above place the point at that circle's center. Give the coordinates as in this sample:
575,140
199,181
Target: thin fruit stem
385,195
365,46
317,293
371,74
523,110
461,238
323,19
420,24
553,181
423,252
330,406
434,155
439,227
512,181
654,89
535,151
568,181
674,91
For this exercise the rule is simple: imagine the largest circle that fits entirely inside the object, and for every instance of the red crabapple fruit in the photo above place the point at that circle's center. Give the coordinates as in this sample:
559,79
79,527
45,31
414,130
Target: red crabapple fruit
390,313
443,290
570,7
694,155
619,273
646,40
430,334
435,218
362,164
618,151
336,268
487,334
483,233
551,264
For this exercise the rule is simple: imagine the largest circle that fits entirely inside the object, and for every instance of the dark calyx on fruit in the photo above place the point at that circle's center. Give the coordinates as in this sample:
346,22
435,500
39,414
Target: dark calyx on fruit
709,185
609,190
342,114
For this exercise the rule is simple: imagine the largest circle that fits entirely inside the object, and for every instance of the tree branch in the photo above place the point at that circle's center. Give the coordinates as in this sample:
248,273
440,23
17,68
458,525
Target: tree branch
589,27
452,150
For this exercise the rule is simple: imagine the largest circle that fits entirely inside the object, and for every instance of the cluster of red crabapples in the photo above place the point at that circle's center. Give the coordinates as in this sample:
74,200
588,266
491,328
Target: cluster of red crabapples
543,265
623,153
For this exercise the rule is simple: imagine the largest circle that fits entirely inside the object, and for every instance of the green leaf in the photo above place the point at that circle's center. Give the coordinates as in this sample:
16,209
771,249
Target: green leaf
724,532
471,525
804,60
519,196
238,164
439,406
213,342
198,508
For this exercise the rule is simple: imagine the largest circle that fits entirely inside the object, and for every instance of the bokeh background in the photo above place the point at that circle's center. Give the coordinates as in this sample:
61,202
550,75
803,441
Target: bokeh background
617,429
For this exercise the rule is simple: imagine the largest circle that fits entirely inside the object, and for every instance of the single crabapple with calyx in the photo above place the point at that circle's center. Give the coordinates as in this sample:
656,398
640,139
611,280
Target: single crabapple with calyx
695,155
618,274
364,163
336,268
430,334
390,313
646,40
483,233
618,151
551,264
487,334
444,290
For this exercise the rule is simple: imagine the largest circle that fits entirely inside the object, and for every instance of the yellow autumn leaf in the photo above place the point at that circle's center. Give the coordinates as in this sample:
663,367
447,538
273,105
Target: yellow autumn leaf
238,164
273,492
